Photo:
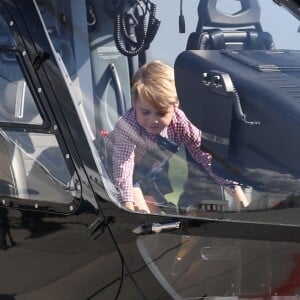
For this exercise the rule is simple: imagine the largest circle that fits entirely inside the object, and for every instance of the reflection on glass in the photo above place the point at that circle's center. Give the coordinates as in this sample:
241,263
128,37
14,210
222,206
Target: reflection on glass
179,185
6,238
190,267
17,104
33,167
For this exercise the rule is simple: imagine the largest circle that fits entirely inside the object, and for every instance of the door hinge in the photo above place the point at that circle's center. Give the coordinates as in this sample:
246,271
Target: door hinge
97,228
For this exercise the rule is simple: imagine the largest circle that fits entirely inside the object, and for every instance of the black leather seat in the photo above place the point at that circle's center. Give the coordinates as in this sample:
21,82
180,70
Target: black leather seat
217,31
217,39
239,30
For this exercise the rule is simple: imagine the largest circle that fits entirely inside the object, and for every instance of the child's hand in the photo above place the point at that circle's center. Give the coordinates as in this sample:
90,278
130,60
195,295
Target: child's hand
238,196
129,205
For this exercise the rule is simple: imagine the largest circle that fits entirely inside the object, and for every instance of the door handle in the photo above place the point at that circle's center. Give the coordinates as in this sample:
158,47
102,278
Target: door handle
148,228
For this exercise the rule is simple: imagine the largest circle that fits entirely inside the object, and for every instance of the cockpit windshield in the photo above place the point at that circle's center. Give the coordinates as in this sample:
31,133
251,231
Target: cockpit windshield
236,70
236,73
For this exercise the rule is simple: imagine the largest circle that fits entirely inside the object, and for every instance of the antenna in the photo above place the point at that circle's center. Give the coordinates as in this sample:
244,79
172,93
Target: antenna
181,19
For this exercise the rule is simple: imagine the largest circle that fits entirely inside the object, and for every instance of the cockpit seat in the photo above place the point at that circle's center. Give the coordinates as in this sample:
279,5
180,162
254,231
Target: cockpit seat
219,30
217,39
215,30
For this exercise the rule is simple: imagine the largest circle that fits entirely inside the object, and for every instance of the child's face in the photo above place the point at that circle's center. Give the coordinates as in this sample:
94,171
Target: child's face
149,118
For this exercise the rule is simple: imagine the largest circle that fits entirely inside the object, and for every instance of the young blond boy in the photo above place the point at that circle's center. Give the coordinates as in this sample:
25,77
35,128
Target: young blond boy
155,111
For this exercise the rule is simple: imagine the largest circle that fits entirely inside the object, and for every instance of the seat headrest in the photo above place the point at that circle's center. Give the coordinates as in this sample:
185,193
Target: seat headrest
216,39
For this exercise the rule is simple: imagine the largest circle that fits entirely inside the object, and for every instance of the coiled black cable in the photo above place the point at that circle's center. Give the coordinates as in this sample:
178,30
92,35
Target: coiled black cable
239,111
132,15
152,27
129,47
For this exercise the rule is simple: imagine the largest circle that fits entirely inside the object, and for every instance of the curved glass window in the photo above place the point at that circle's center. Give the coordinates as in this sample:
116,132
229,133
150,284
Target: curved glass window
17,104
237,78
192,267
35,171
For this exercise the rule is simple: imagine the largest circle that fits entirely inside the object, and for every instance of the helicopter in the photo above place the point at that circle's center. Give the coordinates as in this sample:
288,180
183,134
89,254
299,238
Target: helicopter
65,80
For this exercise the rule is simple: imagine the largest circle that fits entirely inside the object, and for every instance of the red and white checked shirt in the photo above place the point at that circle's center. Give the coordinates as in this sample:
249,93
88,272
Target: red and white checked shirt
128,142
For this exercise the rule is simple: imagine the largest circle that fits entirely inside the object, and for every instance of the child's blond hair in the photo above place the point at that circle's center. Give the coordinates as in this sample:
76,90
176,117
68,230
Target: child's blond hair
154,82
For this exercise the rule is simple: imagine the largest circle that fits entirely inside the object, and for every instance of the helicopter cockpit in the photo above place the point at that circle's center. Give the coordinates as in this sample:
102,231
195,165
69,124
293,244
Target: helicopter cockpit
66,70
236,74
